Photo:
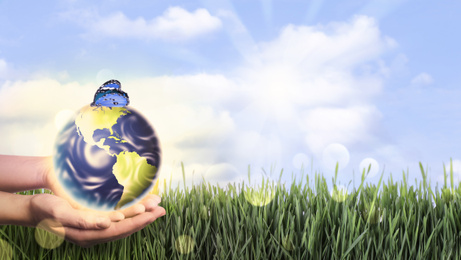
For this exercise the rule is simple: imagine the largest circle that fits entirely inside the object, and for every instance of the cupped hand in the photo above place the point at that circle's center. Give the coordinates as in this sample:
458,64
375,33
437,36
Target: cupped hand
86,227
51,182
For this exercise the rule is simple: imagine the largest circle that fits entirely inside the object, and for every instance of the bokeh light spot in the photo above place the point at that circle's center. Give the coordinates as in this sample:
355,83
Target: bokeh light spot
6,251
184,244
367,162
372,214
287,242
205,212
448,194
47,239
339,193
335,153
260,195
300,160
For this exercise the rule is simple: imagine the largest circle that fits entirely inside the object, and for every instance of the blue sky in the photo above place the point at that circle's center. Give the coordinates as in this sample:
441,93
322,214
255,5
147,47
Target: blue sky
229,84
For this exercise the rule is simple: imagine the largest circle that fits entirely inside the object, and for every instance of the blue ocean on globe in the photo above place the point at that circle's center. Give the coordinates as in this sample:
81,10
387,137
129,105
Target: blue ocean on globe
107,156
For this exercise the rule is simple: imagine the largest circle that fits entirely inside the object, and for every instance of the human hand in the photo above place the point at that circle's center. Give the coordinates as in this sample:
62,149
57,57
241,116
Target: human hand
85,227
50,182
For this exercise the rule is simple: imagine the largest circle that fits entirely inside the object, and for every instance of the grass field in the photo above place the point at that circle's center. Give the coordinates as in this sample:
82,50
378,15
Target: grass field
275,221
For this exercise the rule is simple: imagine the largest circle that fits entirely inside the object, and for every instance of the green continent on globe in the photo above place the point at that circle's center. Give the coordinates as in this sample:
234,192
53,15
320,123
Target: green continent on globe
131,170
133,173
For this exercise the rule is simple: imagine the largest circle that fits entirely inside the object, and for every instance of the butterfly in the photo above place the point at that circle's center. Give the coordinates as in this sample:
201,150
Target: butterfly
110,94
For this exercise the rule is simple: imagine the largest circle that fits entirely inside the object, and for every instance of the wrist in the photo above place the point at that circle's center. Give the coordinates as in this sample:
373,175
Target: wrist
16,209
29,219
44,172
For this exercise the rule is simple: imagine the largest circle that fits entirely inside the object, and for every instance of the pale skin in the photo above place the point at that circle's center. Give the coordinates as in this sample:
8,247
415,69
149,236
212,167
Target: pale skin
80,226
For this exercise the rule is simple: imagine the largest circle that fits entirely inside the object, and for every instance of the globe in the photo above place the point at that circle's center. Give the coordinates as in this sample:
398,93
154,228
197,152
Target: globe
106,157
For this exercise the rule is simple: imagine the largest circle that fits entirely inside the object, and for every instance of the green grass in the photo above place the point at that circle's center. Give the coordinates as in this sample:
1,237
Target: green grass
388,221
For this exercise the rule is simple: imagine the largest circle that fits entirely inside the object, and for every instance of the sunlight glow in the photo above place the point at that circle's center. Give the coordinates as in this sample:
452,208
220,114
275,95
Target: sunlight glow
45,238
6,251
260,195
184,244
339,193
62,117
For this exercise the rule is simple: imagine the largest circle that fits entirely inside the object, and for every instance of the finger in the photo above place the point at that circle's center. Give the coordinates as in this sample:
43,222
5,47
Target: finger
115,216
155,197
151,201
131,225
152,197
116,231
148,202
82,219
133,210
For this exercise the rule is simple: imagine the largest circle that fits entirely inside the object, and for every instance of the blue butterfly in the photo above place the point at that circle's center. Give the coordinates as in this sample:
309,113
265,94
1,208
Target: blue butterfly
110,94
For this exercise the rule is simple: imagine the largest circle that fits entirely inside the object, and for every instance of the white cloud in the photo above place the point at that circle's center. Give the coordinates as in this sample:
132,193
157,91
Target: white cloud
297,94
346,125
302,86
37,99
422,79
175,23
304,81
338,45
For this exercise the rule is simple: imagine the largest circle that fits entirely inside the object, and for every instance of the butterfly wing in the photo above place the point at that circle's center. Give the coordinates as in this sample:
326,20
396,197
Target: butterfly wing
110,94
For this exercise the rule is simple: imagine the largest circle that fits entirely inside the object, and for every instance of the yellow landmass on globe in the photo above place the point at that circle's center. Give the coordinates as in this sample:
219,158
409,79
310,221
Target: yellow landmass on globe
92,118
134,173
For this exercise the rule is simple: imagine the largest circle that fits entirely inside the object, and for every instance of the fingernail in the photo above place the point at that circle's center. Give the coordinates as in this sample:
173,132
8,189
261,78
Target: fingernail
102,222
118,216
140,209
151,204
158,199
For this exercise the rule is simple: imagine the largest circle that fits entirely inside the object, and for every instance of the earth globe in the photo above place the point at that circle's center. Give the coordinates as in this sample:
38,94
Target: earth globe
107,155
